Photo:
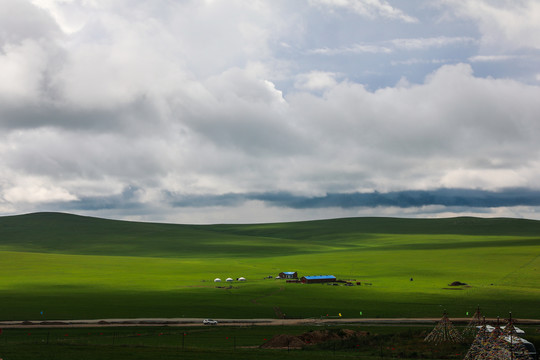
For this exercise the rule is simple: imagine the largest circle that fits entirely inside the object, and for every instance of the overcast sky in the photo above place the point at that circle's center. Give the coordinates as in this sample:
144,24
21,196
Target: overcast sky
217,111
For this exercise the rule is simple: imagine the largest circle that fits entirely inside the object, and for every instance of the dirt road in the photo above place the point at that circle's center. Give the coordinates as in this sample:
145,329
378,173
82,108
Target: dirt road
235,322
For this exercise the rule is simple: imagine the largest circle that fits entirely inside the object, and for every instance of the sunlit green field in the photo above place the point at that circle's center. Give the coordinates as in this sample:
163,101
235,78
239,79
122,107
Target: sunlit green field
71,267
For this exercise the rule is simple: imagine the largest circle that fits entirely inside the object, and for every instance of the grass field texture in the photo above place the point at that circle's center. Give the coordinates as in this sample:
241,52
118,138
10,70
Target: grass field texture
73,267
378,342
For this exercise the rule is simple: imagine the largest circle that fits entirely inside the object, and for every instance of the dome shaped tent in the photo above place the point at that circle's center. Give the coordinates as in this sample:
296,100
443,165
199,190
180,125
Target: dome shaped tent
241,279
217,280
229,279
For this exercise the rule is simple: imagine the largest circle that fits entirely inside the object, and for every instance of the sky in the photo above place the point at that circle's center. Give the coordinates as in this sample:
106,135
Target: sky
256,111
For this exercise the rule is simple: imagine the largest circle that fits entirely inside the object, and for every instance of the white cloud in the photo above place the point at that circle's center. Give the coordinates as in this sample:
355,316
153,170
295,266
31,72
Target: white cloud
483,178
22,67
19,20
70,22
391,46
493,58
506,24
442,124
35,190
316,80
416,61
425,43
368,8
203,98
354,49
244,136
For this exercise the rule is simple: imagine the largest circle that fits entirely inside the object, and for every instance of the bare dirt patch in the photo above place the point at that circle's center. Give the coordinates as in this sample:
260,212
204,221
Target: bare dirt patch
284,341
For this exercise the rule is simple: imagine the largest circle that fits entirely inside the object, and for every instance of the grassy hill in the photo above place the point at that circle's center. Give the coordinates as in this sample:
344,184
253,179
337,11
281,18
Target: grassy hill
73,234
81,267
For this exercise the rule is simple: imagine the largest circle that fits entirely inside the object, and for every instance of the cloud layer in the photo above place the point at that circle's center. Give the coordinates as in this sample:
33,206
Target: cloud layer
135,110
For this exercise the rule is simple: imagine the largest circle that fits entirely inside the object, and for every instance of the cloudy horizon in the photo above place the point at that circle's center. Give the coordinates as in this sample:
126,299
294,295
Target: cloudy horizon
243,111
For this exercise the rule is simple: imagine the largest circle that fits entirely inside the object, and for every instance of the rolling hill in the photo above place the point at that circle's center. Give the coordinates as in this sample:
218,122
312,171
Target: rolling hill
83,267
72,234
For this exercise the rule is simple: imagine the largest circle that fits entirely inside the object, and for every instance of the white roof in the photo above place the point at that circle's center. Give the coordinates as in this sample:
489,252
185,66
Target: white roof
491,328
229,279
515,339
518,330
241,279
217,280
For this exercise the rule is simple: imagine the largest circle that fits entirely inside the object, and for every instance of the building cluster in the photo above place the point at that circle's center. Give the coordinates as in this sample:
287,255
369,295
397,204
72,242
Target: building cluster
308,279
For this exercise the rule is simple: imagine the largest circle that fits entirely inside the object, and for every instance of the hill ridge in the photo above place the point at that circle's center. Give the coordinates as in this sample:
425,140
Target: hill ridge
53,232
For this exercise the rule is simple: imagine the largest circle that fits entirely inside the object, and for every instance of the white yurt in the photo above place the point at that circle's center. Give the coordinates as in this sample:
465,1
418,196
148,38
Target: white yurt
241,279
217,280
229,279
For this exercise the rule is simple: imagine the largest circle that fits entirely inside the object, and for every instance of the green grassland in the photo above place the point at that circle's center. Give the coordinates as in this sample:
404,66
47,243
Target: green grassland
204,343
225,343
73,267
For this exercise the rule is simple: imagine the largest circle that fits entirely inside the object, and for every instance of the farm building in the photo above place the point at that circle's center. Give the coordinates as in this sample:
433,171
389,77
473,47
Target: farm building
317,279
288,275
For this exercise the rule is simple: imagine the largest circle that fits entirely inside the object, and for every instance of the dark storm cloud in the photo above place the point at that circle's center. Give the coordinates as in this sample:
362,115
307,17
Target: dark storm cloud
204,200
401,199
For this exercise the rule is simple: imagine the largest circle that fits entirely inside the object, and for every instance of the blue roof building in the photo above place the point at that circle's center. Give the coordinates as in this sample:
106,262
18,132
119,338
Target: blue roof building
318,279
288,275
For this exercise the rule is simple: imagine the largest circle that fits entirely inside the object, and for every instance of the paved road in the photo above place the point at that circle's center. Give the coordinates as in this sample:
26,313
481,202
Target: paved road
236,322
